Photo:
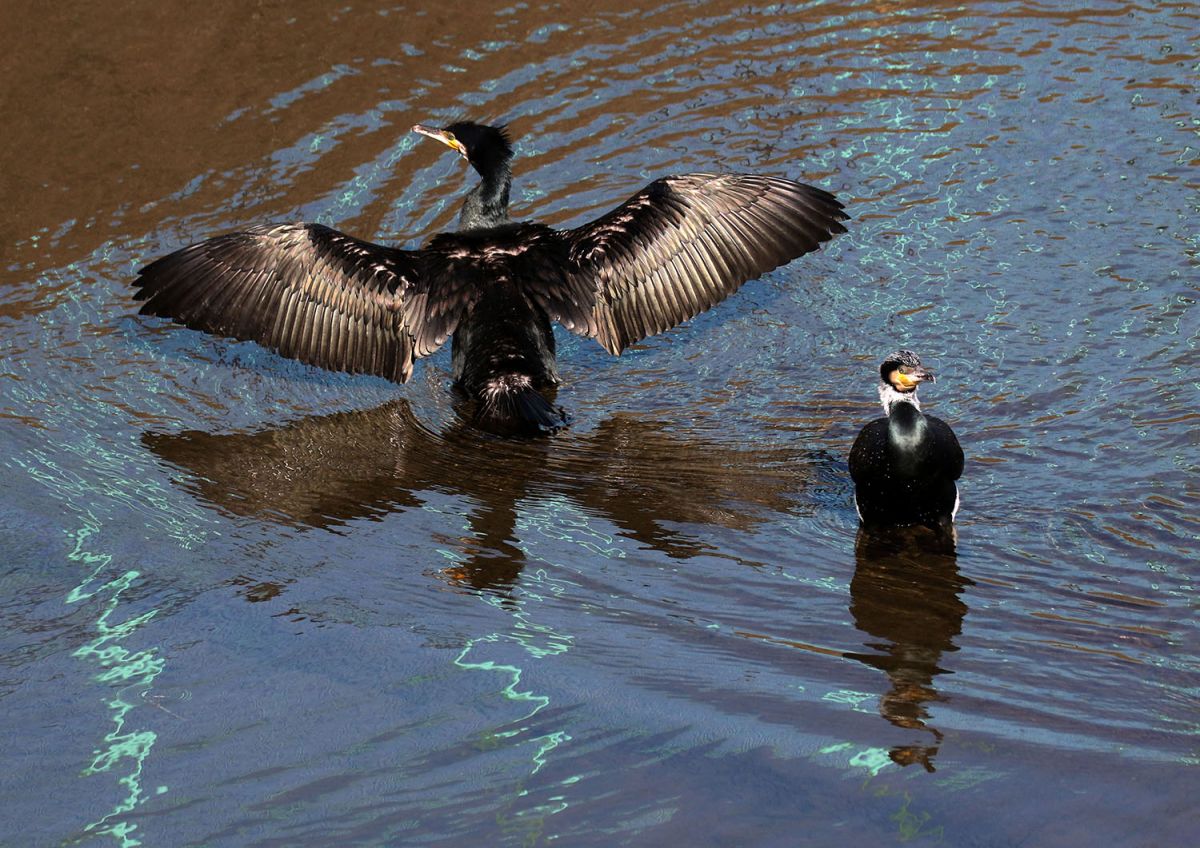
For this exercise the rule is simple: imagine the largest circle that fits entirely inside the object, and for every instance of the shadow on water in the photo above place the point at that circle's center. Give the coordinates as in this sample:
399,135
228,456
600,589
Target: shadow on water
905,598
326,471
1023,180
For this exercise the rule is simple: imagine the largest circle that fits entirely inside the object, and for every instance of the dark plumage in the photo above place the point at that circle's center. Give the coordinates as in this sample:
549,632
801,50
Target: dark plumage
673,250
904,466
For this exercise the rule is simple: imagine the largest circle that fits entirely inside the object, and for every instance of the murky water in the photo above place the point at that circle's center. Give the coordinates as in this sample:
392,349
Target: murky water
247,602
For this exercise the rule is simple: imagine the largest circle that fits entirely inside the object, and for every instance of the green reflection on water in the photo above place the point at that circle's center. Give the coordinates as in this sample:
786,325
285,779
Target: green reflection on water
848,696
559,519
539,641
527,634
873,760
94,471
912,825
131,671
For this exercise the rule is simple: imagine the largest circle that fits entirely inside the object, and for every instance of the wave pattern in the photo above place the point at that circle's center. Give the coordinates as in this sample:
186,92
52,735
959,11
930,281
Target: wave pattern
273,605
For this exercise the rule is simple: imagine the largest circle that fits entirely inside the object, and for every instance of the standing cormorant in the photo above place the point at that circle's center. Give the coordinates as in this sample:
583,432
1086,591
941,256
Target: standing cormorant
674,249
904,466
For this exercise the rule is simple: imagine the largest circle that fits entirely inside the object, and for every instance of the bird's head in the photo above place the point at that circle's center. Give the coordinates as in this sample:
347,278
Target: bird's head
487,148
899,376
903,371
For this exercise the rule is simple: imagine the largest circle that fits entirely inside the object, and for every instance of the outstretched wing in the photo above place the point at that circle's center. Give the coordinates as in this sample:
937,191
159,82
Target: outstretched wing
308,292
685,243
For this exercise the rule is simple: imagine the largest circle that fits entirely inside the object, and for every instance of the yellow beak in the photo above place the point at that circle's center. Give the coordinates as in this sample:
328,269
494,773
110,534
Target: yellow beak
442,136
909,381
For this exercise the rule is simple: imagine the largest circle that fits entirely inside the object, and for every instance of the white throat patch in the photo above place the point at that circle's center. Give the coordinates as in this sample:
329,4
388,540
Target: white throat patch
889,396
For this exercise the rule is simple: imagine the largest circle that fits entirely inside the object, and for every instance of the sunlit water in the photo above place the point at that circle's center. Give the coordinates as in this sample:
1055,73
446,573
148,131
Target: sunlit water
248,602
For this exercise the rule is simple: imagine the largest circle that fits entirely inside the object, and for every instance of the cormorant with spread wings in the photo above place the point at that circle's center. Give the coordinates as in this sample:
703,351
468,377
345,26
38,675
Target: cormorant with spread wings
676,248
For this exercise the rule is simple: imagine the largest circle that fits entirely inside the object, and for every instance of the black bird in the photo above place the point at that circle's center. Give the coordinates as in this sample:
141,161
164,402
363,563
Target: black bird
673,250
904,466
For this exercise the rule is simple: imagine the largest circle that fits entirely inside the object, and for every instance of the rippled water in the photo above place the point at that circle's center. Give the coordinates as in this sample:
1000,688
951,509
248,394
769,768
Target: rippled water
248,602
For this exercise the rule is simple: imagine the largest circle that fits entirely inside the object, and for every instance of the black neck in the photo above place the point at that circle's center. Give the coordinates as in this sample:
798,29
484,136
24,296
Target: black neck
906,425
486,205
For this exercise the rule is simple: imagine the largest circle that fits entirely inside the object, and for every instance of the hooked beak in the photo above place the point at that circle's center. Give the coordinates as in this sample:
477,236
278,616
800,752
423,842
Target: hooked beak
913,377
442,136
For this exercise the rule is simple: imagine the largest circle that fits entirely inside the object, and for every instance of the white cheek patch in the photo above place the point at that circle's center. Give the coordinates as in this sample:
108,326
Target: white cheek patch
888,396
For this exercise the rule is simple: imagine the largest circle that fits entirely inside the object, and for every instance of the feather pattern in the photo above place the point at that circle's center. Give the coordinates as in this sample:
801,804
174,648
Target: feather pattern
674,249
304,290
683,244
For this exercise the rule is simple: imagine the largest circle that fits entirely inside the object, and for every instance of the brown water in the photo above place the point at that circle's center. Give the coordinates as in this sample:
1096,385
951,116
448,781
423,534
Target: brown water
248,602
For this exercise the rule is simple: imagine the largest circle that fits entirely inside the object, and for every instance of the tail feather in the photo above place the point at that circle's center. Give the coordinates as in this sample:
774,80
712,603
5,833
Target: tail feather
511,405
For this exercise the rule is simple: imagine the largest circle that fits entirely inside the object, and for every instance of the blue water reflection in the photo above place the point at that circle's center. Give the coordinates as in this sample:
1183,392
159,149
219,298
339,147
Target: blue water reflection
247,602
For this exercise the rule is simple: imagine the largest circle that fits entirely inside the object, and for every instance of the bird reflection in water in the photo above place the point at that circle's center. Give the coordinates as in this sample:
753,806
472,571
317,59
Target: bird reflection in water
326,471
905,596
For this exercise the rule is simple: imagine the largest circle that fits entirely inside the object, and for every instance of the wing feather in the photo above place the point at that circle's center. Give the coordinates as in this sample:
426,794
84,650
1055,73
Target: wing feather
685,243
948,447
311,293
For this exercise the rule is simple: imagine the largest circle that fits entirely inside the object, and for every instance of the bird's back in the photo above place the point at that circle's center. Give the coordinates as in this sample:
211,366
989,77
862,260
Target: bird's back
496,276
503,345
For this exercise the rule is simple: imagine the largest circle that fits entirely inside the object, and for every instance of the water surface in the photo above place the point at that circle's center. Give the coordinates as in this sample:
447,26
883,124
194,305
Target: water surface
249,602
